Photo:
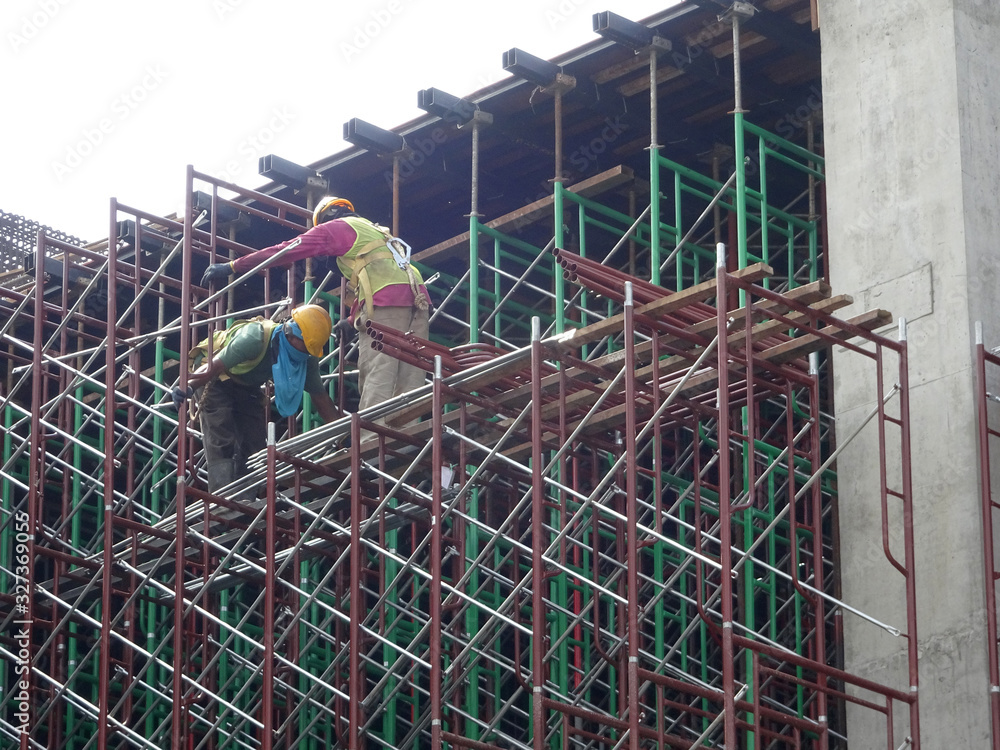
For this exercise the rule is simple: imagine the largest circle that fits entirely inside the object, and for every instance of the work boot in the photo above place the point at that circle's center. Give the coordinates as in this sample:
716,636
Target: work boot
248,496
220,473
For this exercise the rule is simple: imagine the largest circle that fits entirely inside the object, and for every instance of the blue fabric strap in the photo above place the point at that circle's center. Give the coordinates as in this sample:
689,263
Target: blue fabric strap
289,371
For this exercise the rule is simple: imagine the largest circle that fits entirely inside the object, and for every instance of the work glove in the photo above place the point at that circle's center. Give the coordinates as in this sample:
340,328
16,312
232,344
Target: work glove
216,271
180,396
343,331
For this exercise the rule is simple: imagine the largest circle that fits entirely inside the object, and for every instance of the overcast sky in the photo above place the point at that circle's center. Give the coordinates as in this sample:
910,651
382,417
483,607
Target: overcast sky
116,97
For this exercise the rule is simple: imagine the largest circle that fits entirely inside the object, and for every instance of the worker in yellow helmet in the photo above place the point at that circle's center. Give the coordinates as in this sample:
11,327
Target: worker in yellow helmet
231,403
386,288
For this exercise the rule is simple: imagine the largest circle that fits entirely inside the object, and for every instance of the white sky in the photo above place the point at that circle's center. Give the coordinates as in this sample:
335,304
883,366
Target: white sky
116,97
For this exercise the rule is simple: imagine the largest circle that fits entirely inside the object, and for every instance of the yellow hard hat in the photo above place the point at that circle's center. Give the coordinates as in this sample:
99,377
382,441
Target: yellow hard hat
316,326
327,203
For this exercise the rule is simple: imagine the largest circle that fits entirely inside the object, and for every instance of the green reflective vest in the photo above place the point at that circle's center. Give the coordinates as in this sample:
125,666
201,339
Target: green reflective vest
370,266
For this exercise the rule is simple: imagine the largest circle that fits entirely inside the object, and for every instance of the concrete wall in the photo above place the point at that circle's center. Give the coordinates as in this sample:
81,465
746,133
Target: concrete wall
911,99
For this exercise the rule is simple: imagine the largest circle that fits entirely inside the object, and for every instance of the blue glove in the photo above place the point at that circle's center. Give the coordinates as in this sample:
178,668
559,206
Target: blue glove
180,396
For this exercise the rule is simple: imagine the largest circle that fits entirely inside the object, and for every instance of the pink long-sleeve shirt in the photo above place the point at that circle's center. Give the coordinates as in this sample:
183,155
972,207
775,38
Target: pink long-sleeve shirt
332,238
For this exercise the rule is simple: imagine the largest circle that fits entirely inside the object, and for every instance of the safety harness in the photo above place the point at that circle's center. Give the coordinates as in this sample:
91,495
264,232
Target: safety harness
385,248
220,339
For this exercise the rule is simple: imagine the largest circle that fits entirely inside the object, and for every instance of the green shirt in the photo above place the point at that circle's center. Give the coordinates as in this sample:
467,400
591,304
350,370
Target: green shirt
246,345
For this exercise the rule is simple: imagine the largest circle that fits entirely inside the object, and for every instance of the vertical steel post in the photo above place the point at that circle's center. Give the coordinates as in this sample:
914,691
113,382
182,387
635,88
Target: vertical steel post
632,529
307,295
819,581
110,398
746,509
560,282
908,540
267,693
497,287
765,219
357,610
537,564
436,625
178,735
654,176
58,716
307,288
474,280
559,135
739,135
36,475
134,388
725,520
8,534
474,198
989,558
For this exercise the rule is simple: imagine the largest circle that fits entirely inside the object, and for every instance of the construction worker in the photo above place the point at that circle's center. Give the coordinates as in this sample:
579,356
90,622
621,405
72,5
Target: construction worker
231,402
386,289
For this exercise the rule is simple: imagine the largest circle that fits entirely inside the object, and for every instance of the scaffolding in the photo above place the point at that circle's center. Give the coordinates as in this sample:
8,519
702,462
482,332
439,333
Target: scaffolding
987,363
570,589
17,238
635,543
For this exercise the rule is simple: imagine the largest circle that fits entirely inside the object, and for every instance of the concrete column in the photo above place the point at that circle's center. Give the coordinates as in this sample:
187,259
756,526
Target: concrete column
911,111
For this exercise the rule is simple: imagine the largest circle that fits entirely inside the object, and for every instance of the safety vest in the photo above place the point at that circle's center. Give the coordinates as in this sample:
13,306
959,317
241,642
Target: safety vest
370,265
221,338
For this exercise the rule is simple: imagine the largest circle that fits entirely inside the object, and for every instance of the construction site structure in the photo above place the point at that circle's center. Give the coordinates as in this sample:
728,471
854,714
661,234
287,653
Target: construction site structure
911,144
630,378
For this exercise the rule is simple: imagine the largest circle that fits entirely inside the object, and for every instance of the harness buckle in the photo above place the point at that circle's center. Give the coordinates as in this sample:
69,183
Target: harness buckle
400,251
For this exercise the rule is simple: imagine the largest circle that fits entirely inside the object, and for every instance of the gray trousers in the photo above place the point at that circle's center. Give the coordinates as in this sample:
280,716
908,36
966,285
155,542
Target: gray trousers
381,375
233,427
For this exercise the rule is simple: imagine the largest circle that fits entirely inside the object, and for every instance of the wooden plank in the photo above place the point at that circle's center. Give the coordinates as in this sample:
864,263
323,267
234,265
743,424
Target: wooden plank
807,295
698,383
423,406
786,351
612,362
772,327
803,345
670,302
532,212
815,295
